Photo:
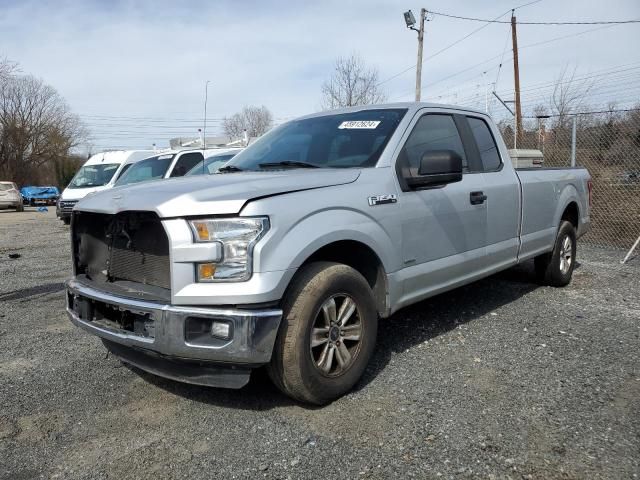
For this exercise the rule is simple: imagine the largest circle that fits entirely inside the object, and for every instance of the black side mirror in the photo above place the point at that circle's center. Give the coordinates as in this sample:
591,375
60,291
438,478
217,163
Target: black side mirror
437,167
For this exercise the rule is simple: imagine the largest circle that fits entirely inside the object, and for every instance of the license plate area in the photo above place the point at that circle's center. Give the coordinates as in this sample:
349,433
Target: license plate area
113,317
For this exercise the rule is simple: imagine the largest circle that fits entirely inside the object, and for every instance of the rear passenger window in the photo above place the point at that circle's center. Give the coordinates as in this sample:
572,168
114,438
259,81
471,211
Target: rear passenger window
486,144
432,132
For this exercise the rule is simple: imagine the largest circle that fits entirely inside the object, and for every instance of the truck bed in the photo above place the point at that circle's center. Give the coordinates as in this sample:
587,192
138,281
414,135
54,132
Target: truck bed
544,190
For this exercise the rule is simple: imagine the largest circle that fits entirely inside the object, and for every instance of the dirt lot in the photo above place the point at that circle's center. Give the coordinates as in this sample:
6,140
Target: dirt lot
499,379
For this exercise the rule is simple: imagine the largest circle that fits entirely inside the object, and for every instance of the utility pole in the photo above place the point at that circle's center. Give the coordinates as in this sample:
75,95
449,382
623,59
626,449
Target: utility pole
410,20
516,75
423,14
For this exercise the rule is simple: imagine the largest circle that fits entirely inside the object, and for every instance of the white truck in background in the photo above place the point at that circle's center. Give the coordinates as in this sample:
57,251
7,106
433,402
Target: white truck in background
168,164
98,173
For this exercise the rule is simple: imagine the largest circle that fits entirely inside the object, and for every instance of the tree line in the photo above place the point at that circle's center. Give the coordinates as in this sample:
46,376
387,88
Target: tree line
38,131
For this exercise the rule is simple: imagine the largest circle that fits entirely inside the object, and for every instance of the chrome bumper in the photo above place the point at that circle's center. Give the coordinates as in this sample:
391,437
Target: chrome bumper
253,332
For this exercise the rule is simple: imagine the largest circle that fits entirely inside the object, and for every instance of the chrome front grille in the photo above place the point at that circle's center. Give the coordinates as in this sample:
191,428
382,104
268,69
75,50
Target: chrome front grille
67,205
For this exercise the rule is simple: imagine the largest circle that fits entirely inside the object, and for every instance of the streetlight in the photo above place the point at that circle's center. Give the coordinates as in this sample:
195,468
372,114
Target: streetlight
204,127
410,20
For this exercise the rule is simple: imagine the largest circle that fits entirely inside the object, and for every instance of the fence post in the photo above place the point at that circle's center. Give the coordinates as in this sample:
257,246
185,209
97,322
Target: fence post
573,141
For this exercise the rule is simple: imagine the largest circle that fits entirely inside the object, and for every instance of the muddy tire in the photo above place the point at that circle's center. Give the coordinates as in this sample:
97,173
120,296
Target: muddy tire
327,334
556,268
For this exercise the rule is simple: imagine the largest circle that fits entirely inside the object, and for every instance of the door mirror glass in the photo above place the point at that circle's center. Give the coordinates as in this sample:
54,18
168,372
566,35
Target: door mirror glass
437,167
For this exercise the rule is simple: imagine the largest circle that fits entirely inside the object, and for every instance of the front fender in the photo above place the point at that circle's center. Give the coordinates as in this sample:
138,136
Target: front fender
287,247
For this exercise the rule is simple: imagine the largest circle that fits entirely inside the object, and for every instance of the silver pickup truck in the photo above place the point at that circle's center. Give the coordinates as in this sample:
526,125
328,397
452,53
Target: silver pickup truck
289,256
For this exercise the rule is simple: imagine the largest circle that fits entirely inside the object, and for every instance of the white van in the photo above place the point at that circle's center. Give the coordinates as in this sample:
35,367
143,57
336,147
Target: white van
167,164
98,173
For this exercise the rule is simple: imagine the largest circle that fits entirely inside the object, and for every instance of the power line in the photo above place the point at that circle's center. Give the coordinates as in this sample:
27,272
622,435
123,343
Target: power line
589,113
609,22
562,37
455,43
504,50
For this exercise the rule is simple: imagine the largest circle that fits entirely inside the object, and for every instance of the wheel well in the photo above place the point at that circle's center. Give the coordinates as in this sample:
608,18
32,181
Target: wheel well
361,258
571,214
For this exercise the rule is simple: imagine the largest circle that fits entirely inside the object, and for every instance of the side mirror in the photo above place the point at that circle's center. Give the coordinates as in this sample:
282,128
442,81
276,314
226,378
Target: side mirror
437,167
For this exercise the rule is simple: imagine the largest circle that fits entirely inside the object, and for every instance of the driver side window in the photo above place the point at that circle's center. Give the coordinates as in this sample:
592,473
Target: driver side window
432,132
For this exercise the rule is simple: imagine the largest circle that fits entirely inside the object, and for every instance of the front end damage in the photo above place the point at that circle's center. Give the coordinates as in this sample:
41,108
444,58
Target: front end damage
121,292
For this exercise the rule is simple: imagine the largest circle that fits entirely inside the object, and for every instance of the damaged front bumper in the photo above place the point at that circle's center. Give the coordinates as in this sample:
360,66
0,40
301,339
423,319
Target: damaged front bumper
204,346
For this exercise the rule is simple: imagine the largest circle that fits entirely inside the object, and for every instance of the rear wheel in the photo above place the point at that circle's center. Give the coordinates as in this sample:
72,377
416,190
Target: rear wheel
327,335
20,208
556,268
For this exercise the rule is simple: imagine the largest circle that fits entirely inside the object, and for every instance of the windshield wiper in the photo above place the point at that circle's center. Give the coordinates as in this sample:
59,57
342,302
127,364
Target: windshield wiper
288,163
229,169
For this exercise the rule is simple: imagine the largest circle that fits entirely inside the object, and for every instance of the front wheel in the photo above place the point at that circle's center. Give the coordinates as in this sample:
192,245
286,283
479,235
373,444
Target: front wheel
327,335
556,268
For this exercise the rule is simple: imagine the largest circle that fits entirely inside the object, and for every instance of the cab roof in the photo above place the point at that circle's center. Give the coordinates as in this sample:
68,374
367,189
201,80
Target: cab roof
412,107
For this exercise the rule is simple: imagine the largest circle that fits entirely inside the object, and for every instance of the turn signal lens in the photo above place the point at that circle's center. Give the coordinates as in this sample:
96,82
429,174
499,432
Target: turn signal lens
206,271
202,230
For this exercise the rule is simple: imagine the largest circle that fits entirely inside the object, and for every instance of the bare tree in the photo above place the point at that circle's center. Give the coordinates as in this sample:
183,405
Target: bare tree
351,84
7,69
37,129
568,95
255,120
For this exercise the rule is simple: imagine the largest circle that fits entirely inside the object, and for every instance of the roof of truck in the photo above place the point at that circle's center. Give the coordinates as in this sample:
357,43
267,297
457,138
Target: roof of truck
206,153
117,156
412,106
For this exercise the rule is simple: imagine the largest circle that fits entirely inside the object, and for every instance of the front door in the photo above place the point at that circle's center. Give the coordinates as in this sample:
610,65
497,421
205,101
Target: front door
444,231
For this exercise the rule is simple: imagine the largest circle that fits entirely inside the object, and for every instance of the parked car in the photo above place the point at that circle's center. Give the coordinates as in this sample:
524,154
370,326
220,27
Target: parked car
213,163
34,196
10,196
168,164
98,173
288,257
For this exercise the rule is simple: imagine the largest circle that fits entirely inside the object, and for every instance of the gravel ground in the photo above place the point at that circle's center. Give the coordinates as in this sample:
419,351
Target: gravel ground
498,379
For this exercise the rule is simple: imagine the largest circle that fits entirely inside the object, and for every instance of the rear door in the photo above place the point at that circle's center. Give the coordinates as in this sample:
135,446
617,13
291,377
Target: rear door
444,231
501,187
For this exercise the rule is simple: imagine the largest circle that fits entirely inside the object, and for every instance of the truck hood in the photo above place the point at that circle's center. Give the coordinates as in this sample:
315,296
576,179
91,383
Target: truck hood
80,193
221,194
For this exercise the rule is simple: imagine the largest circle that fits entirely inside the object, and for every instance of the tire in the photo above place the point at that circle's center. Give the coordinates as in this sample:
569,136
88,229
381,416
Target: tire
550,267
298,368
67,220
20,208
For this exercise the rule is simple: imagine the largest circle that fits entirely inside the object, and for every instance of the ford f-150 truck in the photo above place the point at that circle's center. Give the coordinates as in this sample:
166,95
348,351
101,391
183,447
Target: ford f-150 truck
289,255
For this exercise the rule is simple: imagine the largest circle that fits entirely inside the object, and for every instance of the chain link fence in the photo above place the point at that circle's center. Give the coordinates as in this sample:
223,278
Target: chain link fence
608,145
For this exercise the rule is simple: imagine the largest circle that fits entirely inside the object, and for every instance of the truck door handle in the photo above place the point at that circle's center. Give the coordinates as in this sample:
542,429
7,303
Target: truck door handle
476,198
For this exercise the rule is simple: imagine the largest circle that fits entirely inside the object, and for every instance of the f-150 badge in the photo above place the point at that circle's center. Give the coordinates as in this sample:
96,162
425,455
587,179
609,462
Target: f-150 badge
382,199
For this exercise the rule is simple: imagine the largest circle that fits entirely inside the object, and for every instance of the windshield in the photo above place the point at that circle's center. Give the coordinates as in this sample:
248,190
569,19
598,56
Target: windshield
210,165
5,186
94,175
148,169
343,140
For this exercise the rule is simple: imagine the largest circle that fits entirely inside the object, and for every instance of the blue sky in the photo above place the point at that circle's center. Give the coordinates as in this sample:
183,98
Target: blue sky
135,71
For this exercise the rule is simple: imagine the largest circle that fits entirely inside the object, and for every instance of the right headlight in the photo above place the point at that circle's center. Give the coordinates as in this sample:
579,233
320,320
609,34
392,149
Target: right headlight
237,237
